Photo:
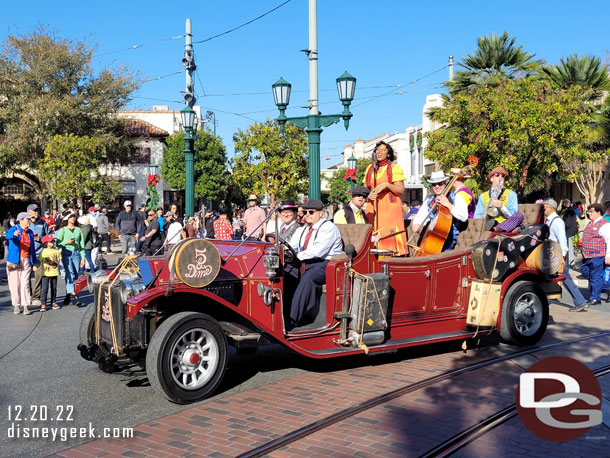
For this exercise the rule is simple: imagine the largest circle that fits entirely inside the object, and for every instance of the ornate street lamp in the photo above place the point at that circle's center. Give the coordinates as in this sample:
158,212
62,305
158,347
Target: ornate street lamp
346,85
281,94
153,169
188,122
352,163
313,123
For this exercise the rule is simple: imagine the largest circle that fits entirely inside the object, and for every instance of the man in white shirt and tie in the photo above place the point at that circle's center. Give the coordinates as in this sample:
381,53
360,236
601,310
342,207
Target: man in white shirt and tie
557,231
353,213
315,244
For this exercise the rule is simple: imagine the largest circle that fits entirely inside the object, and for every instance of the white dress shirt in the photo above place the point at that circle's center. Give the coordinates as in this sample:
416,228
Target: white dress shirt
459,210
324,243
558,231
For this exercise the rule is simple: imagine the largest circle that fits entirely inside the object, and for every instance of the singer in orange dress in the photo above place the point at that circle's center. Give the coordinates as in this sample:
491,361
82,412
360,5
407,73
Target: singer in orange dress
384,205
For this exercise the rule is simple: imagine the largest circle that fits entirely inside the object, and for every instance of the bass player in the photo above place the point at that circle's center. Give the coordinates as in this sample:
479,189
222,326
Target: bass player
454,202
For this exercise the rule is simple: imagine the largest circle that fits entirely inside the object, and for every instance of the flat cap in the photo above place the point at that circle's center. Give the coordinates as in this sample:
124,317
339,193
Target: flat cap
313,204
360,191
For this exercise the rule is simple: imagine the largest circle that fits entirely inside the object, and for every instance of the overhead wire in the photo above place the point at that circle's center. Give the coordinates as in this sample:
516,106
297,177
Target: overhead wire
156,78
131,48
403,85
242,25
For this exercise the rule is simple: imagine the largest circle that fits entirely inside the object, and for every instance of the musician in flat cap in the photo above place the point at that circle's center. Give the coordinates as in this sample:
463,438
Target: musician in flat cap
353,213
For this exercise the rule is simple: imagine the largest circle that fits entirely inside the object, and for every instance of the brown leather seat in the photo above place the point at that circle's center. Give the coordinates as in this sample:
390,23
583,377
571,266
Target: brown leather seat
532,213
474,233
354,234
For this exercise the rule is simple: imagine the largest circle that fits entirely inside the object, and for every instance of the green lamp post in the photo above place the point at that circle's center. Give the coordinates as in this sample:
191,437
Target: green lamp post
188,123
352,164
313,123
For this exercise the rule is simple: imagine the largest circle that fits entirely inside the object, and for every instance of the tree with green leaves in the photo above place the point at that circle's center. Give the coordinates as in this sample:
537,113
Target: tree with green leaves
496,59
71,167
587,75
339,187
210,165
526,126
49,88
269,162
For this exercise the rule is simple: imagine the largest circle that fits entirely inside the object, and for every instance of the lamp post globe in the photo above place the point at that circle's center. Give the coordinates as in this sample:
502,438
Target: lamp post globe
188,123
188,119
281,95
346,85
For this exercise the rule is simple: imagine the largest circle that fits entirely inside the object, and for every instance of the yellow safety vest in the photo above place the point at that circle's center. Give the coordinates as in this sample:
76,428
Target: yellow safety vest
485,197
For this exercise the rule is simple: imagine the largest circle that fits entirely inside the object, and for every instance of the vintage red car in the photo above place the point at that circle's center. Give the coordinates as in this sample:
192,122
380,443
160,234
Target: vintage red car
176,315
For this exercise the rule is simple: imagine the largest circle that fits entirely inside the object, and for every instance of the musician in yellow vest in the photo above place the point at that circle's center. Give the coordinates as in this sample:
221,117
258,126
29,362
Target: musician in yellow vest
499,203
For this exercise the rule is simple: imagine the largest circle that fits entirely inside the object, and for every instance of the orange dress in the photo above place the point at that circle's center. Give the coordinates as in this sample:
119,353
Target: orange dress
389,218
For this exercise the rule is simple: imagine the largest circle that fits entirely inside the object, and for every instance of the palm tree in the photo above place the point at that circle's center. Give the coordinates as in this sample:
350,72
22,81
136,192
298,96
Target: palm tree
586,72
497,58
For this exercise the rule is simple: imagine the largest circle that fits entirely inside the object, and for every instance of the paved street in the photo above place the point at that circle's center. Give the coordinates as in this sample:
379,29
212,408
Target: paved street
39,365
261,397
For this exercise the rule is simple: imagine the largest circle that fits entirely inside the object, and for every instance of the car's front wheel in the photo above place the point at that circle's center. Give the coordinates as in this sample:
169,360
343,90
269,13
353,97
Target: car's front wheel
187,357
525,314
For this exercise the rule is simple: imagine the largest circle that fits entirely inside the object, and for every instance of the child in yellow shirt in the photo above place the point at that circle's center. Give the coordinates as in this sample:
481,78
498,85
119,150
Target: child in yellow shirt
49,263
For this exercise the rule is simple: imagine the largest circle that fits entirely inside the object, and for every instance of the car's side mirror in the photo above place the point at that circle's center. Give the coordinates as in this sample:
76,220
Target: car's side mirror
350,250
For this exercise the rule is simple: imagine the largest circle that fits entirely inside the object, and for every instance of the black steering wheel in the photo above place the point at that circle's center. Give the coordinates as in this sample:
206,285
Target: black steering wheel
290,256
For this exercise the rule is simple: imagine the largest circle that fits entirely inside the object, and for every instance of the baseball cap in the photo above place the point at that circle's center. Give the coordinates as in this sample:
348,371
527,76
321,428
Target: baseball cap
23,215
32,207
127,203
169,213
91,209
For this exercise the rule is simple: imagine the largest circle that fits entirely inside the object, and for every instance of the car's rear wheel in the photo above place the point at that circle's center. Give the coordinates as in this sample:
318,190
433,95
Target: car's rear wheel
525,314
187,357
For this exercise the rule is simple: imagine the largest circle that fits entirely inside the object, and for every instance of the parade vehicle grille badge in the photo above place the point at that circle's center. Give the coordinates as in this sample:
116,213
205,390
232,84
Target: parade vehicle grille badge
106,308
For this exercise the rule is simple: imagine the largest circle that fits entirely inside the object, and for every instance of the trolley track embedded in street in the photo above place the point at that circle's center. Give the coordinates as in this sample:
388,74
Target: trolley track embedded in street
469,435
307,430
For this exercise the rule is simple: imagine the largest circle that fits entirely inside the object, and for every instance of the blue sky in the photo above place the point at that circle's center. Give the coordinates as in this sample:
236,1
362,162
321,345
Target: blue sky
382,43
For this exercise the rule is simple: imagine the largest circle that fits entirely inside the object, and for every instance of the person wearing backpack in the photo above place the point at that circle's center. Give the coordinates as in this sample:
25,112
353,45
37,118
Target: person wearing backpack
88,241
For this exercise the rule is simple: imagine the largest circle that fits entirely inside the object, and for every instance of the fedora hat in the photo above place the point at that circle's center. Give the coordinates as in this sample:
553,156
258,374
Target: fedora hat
437,177
253,197
288,205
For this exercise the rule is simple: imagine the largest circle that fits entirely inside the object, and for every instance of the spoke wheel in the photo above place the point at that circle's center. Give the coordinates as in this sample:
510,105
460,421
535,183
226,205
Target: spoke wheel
187,357
525,314
87,332
194,358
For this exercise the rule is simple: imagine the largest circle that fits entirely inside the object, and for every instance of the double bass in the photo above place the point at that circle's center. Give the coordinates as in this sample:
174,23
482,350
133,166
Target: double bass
433,239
